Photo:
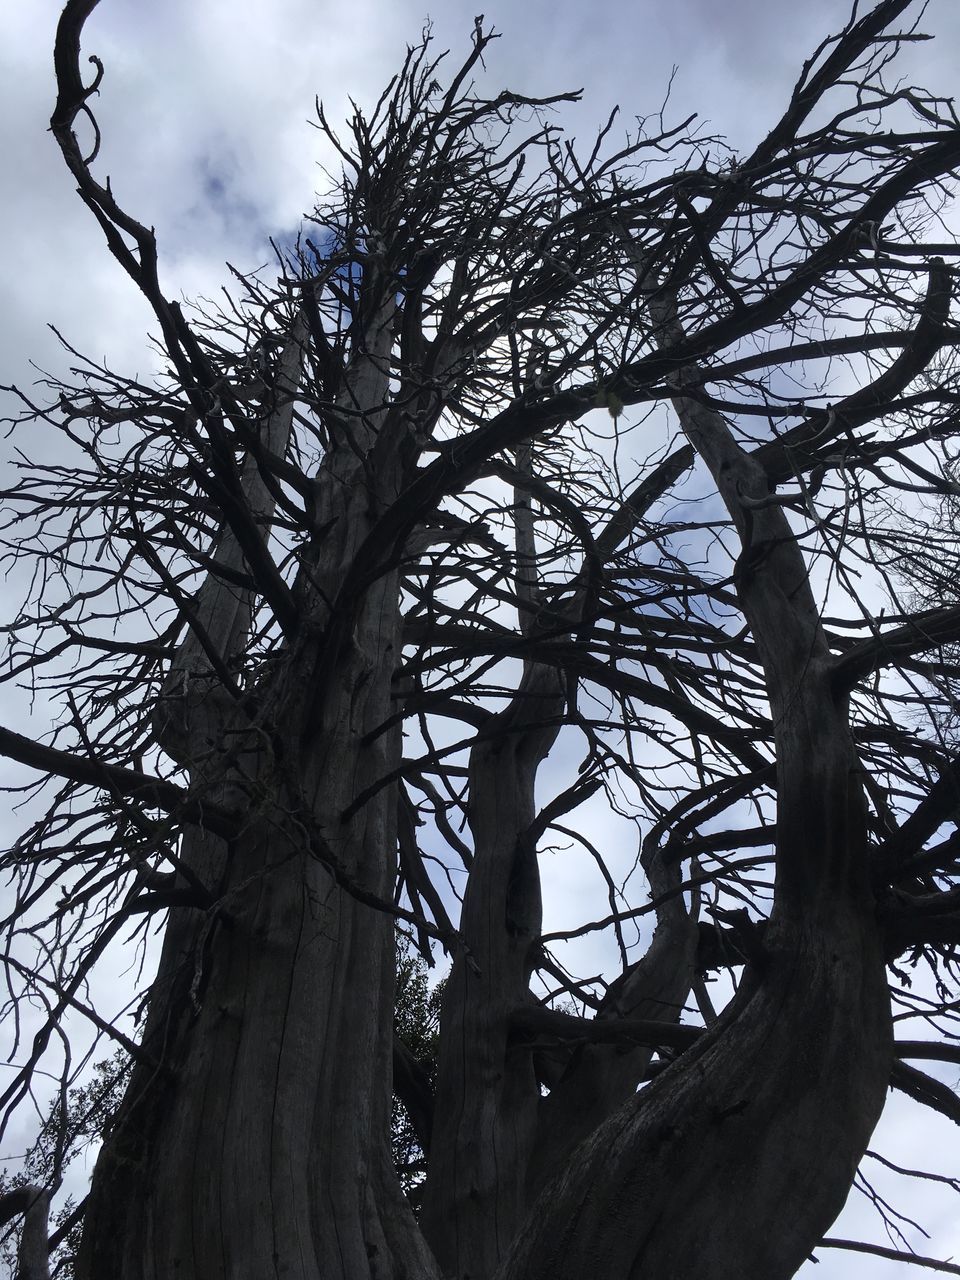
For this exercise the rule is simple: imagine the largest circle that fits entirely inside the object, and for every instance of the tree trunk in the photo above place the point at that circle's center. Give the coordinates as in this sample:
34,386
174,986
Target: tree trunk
762,1122
775,1104
457,318
272,1015
274,1103
487,1094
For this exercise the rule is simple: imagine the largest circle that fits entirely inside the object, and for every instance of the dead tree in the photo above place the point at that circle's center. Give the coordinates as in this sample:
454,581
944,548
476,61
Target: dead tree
621,450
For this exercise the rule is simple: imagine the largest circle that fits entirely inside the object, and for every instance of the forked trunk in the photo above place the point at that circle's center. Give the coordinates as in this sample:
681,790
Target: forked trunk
253,1140
735,1161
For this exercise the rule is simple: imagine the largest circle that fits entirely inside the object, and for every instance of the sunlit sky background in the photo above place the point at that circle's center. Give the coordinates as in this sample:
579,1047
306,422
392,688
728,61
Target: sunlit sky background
205,111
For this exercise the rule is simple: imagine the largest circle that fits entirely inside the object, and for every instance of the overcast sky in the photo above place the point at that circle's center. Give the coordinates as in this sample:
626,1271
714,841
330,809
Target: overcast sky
205,110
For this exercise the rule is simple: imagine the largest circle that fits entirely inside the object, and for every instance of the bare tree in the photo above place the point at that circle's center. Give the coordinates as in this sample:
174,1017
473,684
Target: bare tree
526,443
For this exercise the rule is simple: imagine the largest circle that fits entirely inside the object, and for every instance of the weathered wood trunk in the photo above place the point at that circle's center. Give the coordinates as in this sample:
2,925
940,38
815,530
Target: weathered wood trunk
487,1093
762,1122
765,1119
260,1147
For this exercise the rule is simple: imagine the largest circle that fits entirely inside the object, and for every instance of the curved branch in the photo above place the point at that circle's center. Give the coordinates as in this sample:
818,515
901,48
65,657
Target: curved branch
72,92
926,631
780,457
942,800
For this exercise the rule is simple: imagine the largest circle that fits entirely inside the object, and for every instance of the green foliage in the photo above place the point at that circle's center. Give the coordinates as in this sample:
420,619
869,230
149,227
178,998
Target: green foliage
71,1125
416,1021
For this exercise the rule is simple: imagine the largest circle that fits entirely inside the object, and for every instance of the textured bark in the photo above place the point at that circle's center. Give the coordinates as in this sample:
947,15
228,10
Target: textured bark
487,1095
776,1102
273,1010
774,1106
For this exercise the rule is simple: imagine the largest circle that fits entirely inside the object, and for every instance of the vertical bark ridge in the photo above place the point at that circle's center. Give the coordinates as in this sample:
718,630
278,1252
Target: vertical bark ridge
487,1095
274,1014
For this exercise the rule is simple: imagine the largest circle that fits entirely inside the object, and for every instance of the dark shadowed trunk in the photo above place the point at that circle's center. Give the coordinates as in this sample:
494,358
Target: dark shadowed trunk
776,1102
272,1012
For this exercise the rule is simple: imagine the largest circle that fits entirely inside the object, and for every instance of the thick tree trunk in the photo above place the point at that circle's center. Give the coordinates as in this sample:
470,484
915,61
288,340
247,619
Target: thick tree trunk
276,1109
261,1146
253,1139
774,1105
762,1122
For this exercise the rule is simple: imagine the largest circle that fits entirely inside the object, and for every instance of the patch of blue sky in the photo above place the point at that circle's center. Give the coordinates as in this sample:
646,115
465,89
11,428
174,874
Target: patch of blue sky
221,209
